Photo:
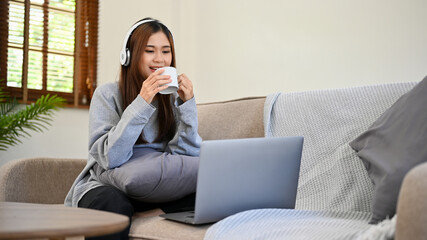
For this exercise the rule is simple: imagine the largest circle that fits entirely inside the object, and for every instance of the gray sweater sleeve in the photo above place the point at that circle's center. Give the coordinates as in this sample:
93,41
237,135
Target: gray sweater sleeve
113,132
186,140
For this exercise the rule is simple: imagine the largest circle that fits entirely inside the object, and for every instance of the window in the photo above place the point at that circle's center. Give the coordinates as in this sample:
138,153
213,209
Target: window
49,46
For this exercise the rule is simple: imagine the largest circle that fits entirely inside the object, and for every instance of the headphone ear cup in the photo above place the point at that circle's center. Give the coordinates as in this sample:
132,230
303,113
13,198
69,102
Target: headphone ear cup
125,57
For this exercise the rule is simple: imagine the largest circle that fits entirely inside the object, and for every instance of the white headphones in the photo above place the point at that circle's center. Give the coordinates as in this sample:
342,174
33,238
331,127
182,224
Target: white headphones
125,53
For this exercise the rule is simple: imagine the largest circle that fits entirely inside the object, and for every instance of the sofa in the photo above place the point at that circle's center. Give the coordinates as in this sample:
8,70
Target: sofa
47,180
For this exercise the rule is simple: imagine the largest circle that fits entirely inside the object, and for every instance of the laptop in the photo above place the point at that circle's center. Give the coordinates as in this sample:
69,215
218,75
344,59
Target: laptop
243,174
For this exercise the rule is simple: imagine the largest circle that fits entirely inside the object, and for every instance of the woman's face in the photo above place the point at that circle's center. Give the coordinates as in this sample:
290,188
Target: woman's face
157,54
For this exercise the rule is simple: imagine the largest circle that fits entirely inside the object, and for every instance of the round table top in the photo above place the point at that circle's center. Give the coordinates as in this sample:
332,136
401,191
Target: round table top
29,220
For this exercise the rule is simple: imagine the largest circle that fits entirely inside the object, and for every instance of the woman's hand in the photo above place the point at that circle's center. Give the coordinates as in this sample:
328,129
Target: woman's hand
154,84
185,90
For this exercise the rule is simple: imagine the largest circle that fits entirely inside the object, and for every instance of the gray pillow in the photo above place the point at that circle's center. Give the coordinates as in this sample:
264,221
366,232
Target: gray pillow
152,176
395,143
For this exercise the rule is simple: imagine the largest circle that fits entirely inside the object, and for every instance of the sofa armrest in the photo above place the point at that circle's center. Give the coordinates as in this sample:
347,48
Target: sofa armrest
38,180
412,205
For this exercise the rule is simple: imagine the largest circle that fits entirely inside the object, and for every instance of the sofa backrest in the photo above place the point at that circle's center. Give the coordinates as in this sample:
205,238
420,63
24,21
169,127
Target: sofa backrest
240,118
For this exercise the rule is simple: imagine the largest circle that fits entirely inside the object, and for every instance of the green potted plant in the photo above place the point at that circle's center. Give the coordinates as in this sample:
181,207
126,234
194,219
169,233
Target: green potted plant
16,123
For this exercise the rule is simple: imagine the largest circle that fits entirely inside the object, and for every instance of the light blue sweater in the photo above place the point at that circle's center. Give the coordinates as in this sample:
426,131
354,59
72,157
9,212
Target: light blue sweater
113,133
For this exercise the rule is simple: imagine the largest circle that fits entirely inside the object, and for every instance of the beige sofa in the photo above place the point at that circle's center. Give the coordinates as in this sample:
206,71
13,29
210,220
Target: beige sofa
47,180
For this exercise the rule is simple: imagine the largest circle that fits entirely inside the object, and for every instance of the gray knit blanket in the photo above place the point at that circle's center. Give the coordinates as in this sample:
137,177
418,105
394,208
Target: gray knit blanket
334,190
290,224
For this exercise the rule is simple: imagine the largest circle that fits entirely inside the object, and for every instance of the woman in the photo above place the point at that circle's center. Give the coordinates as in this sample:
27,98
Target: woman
138,134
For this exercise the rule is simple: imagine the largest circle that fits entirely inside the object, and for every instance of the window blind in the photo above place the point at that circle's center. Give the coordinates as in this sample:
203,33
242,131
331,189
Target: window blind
49,46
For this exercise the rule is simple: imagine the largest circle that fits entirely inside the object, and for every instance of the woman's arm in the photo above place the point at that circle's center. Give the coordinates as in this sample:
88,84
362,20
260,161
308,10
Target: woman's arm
186,140
113,132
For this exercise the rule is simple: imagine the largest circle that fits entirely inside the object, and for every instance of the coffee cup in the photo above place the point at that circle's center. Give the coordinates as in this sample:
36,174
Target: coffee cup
173,86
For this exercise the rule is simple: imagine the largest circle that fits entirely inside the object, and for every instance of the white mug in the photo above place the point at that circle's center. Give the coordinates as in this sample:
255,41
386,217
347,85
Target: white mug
173,86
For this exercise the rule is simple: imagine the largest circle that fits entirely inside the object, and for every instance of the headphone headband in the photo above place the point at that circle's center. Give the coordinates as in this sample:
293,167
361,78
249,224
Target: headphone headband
125,53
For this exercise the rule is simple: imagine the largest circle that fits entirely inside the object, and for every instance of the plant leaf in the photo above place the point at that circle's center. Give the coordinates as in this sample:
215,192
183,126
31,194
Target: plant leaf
35,117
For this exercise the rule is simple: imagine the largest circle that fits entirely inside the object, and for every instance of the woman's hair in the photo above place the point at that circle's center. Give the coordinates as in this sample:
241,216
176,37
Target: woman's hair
131,78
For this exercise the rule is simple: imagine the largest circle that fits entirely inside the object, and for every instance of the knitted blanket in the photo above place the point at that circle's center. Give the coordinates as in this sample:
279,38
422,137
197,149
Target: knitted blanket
290,224
332,177
334,191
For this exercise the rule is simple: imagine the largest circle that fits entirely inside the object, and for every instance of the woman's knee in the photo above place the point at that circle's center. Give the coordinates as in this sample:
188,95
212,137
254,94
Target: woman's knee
109,199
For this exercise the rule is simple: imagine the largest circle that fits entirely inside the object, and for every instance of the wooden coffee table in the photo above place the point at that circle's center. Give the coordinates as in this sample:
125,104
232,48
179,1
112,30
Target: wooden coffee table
29,220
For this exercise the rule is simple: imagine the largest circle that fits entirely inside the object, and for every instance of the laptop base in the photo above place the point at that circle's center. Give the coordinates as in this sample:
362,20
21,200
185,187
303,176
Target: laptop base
182,217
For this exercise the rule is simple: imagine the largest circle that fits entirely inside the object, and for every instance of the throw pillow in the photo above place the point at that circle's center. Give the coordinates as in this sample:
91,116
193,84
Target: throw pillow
151,176
395,143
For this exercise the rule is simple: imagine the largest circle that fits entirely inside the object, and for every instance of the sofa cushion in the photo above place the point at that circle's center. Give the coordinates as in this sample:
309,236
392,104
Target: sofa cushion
392,145
240,118
155,227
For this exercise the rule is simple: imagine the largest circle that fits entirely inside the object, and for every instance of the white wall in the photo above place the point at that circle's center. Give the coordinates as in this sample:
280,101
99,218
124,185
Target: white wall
240,48
66,138
258,47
